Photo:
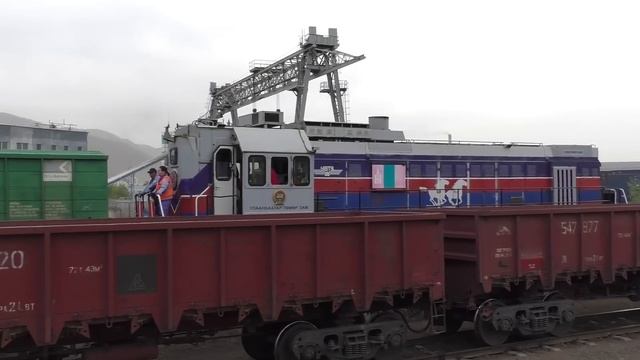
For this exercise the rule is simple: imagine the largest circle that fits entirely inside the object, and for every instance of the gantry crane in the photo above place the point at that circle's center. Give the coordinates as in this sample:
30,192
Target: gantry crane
317,57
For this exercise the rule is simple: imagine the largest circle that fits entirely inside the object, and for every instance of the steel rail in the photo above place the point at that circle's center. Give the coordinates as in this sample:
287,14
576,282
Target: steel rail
523,345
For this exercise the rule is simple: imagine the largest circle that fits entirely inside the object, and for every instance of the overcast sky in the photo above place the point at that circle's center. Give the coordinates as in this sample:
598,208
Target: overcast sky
542,71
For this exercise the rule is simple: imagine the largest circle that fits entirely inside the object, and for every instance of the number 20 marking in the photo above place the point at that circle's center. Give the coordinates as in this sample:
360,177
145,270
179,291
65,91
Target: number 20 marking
11,260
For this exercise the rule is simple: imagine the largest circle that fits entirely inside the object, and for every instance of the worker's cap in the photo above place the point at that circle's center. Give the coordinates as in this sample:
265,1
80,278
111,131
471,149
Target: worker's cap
151,171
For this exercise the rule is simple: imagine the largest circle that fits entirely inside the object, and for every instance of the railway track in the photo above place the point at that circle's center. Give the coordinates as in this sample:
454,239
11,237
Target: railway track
462,345
587,329
518,347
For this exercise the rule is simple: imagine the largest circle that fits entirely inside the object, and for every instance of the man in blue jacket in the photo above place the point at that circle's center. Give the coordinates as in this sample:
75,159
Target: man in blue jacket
153,174
151,187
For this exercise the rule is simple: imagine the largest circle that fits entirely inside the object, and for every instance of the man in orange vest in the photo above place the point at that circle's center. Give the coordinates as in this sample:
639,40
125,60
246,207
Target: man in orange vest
164,189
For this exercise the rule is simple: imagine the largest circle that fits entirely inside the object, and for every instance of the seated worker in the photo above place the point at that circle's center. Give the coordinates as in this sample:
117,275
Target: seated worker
151,186
164,189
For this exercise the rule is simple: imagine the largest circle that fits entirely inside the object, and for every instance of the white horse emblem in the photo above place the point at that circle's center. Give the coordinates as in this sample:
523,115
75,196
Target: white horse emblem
440,196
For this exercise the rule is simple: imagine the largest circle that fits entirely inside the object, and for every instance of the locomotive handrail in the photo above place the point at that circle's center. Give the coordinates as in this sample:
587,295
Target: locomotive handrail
156,197
470,142
138,200
152,200
197,199
179,206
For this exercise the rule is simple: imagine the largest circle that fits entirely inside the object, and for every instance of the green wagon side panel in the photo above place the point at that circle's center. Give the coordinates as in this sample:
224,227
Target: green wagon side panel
57,209
24,165
24,179
88,193
91,215
90,190
57,190
77,189
24,189
90,179
24,194
83,166
90,205
25,210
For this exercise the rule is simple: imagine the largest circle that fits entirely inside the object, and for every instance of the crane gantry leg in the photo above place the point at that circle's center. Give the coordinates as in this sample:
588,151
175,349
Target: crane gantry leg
302,90
335,92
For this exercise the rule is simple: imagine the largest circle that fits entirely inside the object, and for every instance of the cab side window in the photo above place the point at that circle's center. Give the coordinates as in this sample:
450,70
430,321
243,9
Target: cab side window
223,164
279,171
173,156
257,170
301,171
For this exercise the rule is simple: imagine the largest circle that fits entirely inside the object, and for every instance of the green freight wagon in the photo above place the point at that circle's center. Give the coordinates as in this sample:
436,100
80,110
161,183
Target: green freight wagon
53,185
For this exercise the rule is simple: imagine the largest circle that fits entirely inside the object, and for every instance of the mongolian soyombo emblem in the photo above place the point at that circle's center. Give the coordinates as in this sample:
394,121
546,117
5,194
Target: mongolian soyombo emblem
279,197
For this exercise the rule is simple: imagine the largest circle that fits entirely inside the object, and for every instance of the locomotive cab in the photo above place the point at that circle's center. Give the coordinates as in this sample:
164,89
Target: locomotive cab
241,170
276,170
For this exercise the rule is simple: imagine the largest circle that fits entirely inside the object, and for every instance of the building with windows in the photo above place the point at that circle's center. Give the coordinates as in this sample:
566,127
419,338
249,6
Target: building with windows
14,137
622,175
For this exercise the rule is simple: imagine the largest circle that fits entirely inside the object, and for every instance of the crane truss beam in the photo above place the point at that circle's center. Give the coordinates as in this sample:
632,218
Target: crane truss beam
290,73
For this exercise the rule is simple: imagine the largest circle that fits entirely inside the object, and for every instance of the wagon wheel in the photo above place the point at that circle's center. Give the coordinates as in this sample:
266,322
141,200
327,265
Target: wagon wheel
257,344
561,329
419,312
284,342
483,324
395,340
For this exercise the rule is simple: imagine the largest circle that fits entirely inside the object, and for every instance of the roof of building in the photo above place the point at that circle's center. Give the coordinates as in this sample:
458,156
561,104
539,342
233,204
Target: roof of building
620,166
40,154
46,127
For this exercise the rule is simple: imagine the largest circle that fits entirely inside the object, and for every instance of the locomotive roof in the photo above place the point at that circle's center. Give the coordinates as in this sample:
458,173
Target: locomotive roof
291,141
446,149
